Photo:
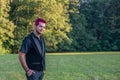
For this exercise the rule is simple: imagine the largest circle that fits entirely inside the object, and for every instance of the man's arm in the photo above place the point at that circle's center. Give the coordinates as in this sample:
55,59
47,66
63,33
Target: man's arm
23,61
24,64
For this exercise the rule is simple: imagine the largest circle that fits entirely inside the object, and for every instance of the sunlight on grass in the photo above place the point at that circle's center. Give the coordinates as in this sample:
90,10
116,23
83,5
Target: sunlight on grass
76,66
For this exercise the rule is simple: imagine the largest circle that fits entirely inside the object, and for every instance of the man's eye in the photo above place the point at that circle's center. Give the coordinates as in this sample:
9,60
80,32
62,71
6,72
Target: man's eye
40,26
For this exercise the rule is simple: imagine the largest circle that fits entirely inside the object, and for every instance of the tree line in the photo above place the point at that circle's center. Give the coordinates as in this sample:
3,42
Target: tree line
72,25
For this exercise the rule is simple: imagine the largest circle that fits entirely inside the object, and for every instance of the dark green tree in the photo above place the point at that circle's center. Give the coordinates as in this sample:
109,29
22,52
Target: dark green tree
102,18
81,40
94,12
113,21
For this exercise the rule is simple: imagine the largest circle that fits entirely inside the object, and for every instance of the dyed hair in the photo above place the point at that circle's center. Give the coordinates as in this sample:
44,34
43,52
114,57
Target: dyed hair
39,20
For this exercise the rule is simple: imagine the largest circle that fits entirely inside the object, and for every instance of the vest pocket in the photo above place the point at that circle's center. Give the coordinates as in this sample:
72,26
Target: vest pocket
35,63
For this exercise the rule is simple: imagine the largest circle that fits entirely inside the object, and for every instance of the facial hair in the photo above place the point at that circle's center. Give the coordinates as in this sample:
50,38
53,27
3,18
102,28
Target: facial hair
38,32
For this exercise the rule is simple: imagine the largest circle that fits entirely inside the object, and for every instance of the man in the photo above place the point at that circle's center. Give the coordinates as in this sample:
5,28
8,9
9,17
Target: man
32,52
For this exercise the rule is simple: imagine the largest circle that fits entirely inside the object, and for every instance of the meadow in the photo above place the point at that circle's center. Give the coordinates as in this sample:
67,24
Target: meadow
68,66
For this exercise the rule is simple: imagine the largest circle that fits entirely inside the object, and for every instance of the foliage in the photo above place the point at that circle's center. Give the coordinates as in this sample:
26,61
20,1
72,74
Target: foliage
25,12
102,17
81,39
72,25
6,28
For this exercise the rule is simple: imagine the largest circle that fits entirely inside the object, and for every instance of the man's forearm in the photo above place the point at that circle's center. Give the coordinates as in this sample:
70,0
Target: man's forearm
23,61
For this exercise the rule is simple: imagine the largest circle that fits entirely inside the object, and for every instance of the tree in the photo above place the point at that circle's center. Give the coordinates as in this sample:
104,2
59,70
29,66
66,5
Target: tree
102,18
25,12
81,40
113,22
6,28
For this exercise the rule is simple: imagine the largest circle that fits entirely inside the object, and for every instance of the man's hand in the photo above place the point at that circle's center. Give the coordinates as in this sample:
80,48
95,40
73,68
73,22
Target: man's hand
30,72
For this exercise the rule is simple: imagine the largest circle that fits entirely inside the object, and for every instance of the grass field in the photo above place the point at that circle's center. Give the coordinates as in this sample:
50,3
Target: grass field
88,66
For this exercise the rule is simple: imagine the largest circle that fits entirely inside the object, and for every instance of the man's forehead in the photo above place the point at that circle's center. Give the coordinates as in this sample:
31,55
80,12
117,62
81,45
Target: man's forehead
41,23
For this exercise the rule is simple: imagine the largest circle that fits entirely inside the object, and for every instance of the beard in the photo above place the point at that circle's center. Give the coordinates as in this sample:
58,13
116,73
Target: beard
38,32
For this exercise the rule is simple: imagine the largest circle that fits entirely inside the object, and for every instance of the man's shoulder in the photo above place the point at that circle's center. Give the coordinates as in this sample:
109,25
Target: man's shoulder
29,35
28,38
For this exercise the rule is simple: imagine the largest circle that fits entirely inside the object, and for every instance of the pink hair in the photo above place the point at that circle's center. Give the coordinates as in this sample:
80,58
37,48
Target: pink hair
39,20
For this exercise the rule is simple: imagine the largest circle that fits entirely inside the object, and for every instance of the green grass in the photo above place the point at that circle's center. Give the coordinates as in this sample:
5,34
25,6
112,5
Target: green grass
89,66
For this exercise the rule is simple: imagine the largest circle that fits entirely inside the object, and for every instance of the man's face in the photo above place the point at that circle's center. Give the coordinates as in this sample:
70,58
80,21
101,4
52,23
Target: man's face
40,28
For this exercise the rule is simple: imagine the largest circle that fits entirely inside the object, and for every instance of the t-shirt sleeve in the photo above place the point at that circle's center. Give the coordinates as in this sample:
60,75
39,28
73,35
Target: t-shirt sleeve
25,45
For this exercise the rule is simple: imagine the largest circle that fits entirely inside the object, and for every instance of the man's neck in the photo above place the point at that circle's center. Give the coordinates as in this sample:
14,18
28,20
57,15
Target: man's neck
36,34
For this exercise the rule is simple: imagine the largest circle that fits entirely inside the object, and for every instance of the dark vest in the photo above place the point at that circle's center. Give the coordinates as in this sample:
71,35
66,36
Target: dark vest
35,58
